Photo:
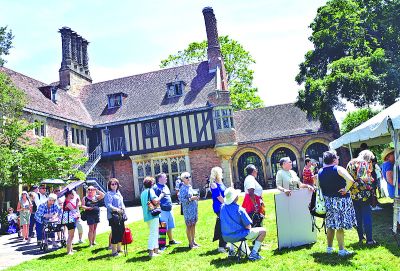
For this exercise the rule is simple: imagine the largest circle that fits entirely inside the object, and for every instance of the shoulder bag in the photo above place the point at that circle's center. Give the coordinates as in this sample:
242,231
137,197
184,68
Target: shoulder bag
154,209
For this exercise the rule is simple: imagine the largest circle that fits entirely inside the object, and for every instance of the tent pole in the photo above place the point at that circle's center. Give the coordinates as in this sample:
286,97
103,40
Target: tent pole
351,152
396,205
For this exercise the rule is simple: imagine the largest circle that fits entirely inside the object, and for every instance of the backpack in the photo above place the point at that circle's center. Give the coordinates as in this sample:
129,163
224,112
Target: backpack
313,212
127,236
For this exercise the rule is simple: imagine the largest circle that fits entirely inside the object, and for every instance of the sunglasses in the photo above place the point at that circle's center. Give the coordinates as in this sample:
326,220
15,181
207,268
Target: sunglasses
90,189
113,184
188,177
42,188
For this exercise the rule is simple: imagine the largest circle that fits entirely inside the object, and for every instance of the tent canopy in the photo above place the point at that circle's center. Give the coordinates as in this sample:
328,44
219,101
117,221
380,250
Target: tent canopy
375,131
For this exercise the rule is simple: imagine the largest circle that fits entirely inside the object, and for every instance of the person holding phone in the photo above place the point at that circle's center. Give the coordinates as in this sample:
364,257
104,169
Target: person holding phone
91,205
189,197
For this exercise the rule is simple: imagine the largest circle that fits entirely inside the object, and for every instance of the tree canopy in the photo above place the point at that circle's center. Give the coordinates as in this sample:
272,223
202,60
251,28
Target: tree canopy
237,63
356,118
5,43
356,57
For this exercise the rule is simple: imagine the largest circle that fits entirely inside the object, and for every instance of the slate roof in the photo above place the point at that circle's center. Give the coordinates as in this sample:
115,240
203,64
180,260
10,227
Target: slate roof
147,94
67,107
273,122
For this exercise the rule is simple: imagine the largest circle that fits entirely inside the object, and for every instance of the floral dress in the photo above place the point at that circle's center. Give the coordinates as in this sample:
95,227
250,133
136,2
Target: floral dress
189,207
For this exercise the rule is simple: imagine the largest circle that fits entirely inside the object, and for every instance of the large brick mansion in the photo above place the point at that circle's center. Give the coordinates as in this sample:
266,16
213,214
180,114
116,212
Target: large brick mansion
171,120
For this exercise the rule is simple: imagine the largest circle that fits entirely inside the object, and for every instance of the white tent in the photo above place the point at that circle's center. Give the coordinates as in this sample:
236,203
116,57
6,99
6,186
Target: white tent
382,128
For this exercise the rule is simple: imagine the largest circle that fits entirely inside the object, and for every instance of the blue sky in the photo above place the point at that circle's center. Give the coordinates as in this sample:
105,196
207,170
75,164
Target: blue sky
131,37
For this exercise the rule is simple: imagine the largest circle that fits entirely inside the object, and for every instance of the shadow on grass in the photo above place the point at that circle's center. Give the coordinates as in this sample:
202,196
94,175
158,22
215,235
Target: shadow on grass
287,250
97,250
224,262
180,250
212,252
53,256
144,258
332,259
100,257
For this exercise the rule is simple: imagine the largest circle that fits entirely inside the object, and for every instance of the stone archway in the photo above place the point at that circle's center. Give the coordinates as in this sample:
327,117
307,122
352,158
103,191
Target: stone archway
315,149
244,157
281,150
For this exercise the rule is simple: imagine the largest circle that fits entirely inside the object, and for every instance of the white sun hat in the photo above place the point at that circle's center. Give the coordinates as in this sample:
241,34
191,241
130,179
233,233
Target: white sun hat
231,194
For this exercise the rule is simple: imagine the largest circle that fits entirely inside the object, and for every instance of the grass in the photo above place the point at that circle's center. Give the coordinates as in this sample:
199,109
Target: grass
311,257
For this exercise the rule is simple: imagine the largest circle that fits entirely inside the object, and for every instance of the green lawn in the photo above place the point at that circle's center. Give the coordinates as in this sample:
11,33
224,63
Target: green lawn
312,257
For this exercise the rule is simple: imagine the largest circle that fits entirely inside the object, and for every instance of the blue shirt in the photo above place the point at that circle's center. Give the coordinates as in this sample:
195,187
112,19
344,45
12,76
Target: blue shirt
113,200
166,201
44,209
215,193
388,166
234,219
144,198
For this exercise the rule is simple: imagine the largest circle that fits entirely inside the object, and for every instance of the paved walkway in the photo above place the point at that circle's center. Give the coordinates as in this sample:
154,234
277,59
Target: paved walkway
14,250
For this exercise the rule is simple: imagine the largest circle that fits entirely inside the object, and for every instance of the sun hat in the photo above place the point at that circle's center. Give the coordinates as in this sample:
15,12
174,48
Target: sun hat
230,195
386,152
52,196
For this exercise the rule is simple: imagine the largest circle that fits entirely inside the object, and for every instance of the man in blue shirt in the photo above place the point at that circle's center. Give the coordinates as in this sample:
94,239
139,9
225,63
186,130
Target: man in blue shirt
164,195
236,223
387,170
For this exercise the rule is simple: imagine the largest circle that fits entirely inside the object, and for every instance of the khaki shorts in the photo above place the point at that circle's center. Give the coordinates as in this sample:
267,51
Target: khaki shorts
254,233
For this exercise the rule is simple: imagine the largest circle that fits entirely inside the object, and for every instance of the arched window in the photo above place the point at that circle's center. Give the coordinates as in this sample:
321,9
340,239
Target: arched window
280,153
315,151
245,159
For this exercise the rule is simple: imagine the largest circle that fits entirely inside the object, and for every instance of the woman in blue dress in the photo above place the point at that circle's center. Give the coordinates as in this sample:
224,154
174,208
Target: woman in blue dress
217,191
189,197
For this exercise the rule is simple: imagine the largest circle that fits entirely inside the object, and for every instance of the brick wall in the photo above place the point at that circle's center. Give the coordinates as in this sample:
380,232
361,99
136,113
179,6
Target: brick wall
297,142
201,163
122,170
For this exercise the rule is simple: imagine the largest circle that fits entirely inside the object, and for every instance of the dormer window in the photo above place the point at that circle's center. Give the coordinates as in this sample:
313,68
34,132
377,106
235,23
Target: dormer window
114,100
175,88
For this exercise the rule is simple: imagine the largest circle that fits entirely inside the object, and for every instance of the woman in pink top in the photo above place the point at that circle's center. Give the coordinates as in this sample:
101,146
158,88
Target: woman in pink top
69,219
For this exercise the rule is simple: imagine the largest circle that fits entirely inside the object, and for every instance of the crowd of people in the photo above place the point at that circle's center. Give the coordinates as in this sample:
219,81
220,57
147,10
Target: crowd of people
348,194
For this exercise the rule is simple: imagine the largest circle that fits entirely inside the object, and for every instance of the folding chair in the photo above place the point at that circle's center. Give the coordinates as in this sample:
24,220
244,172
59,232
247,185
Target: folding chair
241,249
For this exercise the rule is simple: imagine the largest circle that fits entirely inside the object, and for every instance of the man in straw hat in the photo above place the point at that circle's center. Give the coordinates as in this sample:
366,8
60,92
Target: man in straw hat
236,223
387,170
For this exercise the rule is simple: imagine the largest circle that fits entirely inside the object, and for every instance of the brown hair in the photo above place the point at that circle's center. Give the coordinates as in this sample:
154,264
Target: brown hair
115,180
148,182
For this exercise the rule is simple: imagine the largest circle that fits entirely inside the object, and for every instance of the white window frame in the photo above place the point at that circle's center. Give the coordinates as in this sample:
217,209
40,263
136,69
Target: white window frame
222,114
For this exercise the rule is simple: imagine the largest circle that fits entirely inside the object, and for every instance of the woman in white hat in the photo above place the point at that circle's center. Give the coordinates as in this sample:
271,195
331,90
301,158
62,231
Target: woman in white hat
387,170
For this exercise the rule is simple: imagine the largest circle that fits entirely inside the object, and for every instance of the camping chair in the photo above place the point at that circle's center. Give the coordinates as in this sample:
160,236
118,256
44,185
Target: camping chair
241,250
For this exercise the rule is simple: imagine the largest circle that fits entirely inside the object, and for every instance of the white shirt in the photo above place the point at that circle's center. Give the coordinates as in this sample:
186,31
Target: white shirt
251,182
40,198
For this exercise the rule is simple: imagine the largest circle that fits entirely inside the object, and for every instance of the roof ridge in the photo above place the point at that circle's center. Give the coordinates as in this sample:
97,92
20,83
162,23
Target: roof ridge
264,107
155,71
23,75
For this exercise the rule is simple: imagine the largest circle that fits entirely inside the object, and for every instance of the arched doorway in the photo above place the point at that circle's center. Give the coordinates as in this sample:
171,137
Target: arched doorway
280,153
244,160
316,150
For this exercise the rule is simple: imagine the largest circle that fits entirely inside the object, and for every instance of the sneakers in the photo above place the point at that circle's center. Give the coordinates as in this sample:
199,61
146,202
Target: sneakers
174,242
329,250
221,250
254,256
231,253
344,253
115,254
80,242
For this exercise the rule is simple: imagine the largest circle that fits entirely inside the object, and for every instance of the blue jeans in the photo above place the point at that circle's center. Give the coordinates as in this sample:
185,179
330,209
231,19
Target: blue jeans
364,219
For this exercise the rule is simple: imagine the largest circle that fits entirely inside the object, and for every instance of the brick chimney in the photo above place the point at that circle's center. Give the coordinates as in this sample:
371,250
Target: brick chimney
214,50
74,72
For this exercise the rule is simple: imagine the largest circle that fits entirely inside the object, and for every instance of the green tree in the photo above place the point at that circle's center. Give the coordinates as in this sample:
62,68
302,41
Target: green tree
5,43
49,160
237,63
356,118
356,57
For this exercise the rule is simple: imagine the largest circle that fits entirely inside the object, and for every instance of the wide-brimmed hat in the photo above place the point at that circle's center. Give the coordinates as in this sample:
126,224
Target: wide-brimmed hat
386,152
230,195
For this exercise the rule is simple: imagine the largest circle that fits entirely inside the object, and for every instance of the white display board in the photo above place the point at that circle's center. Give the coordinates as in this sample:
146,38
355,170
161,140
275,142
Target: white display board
293,219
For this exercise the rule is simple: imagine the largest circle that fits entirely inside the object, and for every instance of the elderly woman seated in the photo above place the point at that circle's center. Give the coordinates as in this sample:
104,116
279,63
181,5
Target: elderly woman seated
47,211
236,224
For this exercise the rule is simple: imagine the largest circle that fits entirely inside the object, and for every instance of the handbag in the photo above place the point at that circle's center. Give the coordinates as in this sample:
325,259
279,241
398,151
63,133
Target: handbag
154,209
67,218
320,207
84,215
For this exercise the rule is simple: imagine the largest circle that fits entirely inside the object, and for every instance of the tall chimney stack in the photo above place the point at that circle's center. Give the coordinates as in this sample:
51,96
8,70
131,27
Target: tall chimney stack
74,72
213,50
